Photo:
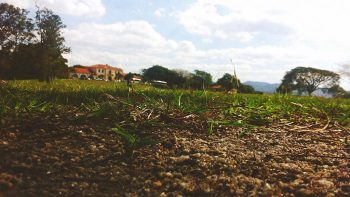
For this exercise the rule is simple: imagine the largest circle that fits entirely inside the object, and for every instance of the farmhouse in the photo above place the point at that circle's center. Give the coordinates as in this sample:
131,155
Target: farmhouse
97,72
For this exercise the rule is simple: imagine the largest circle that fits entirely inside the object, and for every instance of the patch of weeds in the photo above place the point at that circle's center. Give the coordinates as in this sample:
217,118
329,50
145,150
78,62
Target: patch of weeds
132,141
259,119
106,110
210,129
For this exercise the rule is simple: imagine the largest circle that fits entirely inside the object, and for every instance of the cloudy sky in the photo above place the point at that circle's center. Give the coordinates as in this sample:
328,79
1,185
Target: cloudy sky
264,39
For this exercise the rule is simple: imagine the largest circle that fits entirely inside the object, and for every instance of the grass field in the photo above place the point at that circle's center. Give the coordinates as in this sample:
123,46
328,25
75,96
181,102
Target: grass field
26,97
77,122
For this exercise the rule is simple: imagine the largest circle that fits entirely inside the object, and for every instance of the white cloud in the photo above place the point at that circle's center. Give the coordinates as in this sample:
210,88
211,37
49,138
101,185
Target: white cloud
312,20
131,44
159,12
90,8
136,44
228,20
19,3
284,33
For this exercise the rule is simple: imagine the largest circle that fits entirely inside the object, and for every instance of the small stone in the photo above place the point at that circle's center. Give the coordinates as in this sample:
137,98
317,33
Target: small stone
93,148
267,186
12,135
168,174
180,159
305,192
48,145
163,195
324,183
184,185
157,184
196,155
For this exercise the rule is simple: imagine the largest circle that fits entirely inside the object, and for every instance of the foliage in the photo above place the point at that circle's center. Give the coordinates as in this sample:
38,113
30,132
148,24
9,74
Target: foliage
307,79
163,74
201,80
51,45
22,56
16,27
243,88
337,91
228,82
132,141
16,30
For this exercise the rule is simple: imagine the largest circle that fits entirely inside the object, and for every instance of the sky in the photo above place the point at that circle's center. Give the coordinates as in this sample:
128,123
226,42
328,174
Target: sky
264,39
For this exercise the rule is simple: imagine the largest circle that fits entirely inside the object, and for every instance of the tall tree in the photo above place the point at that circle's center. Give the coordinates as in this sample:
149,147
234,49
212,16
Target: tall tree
163,74
307,79
15,30
228,82
186,76
205,79
51,44
15,27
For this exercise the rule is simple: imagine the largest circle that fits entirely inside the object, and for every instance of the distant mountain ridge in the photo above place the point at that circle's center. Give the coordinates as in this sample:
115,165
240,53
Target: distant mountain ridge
263,86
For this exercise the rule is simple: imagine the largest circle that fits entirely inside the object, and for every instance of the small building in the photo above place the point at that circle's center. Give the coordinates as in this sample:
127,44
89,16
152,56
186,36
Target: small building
136,79
80,73
160,84
216,87
97,72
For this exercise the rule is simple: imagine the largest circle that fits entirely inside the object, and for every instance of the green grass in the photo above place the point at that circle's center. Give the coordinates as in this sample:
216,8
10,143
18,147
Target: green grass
25,98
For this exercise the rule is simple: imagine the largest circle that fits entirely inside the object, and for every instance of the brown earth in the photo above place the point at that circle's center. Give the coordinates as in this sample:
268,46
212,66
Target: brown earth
52,156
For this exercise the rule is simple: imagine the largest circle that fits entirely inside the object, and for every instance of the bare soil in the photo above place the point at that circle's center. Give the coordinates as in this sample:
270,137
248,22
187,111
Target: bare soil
53,156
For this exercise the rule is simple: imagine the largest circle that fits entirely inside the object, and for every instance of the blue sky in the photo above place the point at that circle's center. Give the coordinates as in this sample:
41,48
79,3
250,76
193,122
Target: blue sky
263,38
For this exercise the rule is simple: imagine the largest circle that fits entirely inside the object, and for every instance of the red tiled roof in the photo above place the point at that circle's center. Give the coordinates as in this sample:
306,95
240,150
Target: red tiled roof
105,66
82,70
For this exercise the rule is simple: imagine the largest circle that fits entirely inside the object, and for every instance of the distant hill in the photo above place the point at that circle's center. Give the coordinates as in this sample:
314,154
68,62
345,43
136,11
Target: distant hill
263,86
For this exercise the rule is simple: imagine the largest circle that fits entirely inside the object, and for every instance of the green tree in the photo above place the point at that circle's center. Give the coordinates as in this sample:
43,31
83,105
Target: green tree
15,27
307,79
229,82
51,45
26,62
163,74
337,91
15,30
202,79
246,89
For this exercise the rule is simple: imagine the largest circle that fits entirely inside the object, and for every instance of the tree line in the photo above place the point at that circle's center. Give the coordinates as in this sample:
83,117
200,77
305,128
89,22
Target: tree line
298,81
198,80
31,48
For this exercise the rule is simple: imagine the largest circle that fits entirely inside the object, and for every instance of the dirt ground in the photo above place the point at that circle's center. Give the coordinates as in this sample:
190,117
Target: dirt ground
54,157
